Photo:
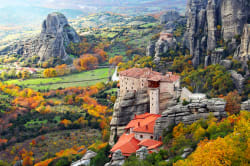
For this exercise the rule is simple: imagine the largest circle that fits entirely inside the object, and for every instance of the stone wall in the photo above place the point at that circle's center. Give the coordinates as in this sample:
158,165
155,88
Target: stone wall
190,113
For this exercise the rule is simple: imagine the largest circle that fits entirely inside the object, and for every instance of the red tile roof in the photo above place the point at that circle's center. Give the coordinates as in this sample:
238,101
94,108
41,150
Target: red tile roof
127,144
139,73
143,123
150,144
149,74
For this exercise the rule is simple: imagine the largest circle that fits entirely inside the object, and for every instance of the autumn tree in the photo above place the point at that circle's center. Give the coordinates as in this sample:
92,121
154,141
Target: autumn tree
115,60
86,62
62,70
51,72
233,102
25,74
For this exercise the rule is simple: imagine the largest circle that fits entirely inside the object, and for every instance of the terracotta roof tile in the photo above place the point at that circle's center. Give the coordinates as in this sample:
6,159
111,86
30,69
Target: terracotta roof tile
143,123
127,143
150,144
149,74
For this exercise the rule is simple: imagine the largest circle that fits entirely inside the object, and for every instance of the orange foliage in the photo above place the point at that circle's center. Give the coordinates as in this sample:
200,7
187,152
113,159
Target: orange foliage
46,162
86,62
233,102
66,122
3,141
62,70
116,60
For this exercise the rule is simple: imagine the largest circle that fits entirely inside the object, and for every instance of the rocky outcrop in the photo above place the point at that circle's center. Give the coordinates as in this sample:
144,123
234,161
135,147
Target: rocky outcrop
190,113
226,63
245,105
117,159
163,45
186,152
238,80
209,21
125,108
85,160
168,16
56,34
243,51
142,153
215,57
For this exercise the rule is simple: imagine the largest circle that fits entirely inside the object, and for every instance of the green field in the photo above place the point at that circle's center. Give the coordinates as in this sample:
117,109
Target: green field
82,79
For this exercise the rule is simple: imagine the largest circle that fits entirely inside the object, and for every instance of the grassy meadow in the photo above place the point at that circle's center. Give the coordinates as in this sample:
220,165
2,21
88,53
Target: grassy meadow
82,79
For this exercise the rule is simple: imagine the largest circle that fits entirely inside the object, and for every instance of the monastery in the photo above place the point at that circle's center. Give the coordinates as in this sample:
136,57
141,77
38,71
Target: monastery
157,85
139,132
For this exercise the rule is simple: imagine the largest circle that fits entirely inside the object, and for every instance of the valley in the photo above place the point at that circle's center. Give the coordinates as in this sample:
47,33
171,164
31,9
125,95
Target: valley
125,83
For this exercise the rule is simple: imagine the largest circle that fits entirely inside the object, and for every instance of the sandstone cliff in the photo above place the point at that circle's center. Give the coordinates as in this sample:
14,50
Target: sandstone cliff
160,47
190,113
56,34
126,107
210,21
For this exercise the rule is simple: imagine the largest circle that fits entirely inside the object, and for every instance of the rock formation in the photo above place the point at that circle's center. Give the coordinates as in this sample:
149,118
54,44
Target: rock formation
210,21
126,107
85,160
215,57
163,44
142,153
190,113
242,53
56,34
170,15
117,159
238,80
186,152
245,105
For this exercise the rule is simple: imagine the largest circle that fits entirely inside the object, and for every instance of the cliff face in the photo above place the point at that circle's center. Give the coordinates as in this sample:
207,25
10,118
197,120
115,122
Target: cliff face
243,51
210,21
56,34
126,107
190,113
158,47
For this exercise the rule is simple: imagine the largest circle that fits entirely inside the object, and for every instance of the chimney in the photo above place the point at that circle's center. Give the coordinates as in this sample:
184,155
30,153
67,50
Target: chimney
139,124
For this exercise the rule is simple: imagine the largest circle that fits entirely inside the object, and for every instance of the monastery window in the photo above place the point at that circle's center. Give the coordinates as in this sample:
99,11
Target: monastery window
141,136
151,137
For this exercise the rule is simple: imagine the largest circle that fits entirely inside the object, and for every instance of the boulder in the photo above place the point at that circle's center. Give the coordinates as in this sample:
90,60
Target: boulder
142,153
245,105
117,159
238,80
226,63
89,155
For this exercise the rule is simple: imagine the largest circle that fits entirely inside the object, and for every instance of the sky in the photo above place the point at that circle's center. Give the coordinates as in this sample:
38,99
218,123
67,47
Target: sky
73,4
61,3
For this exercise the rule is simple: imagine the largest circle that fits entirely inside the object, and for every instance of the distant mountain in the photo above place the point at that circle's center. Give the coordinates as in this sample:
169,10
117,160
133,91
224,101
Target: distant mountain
15,15
25,12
